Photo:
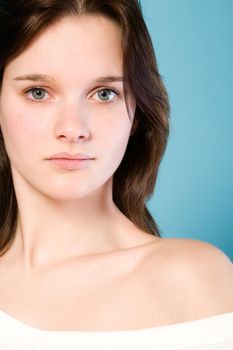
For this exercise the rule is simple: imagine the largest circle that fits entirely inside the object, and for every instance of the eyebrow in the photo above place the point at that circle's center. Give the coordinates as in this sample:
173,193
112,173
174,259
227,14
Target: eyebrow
47,78
34,77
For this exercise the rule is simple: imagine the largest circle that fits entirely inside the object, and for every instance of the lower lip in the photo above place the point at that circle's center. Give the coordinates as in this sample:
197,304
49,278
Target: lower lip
70,164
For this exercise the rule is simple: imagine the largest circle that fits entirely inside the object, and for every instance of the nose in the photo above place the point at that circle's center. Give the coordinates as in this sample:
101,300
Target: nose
72,126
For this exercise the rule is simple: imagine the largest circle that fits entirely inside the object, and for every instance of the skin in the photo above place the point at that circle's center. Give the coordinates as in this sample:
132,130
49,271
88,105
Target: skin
73,208
74,250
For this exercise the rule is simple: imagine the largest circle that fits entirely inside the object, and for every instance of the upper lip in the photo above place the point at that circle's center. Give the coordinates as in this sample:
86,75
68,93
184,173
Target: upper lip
64,155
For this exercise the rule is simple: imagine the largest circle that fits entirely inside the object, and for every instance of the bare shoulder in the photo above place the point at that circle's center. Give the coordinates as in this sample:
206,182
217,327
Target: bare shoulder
196,270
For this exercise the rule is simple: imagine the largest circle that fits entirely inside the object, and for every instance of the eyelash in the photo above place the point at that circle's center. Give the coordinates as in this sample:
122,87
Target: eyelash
46,91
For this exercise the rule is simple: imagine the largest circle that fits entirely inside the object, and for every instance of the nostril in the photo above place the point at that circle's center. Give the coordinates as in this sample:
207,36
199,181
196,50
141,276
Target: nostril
72,133
74,136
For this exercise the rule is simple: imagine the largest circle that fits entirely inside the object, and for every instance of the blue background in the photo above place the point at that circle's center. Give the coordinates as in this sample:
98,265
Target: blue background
193,41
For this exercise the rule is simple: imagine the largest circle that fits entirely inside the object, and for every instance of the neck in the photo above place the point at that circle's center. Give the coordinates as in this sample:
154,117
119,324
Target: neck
50,232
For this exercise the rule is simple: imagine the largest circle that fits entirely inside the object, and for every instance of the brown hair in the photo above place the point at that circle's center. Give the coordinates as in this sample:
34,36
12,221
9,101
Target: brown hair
134,180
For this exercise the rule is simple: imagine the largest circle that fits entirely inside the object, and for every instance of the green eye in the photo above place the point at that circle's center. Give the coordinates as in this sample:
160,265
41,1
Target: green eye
37,93
106,94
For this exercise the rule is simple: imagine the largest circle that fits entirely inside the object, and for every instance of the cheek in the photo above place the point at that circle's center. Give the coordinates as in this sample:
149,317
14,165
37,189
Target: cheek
19,131
113,140
20,126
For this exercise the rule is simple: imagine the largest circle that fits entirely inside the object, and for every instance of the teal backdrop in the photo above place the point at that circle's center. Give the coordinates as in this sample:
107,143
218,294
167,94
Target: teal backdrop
193,41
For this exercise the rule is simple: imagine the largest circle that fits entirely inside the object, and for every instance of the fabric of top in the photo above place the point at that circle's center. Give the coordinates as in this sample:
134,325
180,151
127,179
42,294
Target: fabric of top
211,333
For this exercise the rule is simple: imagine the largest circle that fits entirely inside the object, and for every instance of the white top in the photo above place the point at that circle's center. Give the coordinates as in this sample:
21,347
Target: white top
210,333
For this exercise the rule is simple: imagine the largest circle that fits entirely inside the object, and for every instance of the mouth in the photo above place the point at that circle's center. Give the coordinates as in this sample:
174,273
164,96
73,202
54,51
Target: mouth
70,161
77,156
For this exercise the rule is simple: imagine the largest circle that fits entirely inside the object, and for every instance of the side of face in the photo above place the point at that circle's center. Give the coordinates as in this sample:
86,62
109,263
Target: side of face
79,110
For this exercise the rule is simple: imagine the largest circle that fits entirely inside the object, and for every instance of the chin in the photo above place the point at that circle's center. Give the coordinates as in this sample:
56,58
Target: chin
68,192
67,195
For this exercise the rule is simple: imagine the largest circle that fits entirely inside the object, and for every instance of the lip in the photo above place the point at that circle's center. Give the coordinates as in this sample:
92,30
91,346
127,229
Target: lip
65,156
68,161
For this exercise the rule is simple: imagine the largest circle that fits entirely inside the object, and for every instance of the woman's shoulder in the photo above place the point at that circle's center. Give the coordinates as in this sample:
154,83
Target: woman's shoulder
194,270
188,254
191,254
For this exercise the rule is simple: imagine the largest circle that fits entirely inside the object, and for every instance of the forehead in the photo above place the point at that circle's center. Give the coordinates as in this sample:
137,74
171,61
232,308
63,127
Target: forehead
82,45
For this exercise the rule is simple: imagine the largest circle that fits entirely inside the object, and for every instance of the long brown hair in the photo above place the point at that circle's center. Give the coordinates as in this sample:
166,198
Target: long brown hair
134,180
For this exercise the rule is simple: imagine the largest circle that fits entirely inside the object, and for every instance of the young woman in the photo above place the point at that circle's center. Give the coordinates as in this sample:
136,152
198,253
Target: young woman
84,125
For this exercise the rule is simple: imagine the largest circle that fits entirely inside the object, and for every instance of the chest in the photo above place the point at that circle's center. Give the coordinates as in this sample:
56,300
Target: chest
98,296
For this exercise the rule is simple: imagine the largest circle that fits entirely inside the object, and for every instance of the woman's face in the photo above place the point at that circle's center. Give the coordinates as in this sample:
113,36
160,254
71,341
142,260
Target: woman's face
78,108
